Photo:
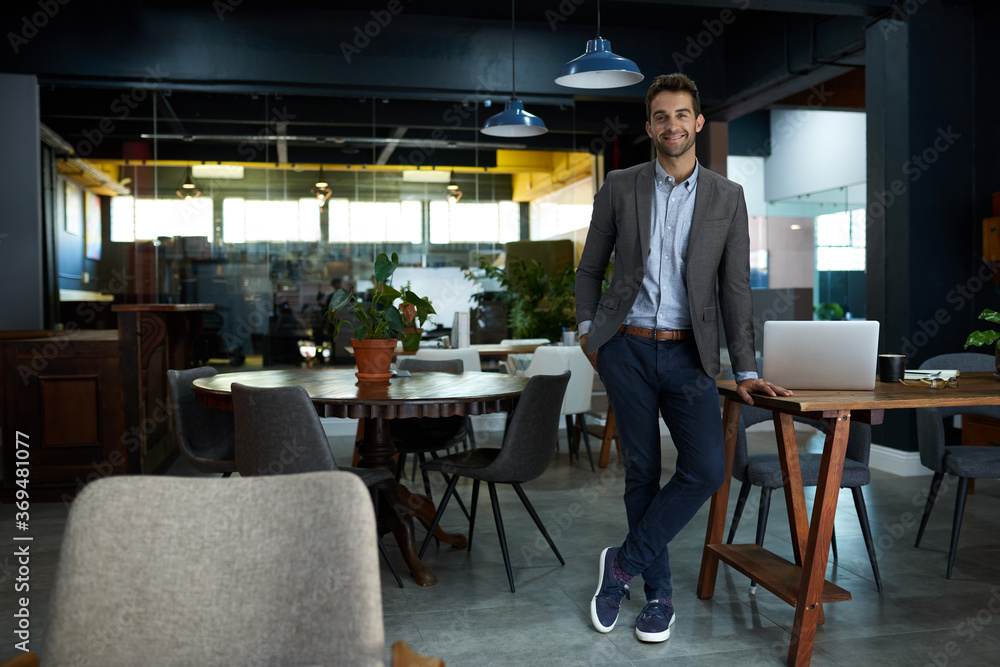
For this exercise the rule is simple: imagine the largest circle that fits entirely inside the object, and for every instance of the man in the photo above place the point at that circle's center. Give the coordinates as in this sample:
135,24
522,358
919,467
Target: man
677,230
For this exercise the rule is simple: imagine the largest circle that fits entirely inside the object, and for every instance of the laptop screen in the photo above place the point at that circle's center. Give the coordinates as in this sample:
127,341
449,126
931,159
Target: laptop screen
821,355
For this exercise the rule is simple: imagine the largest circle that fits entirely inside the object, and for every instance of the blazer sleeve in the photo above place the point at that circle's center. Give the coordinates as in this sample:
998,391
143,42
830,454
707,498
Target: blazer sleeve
596,252
735,296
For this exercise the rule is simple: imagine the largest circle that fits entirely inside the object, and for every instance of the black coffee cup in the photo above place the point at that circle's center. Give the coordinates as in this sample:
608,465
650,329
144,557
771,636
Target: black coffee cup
891,367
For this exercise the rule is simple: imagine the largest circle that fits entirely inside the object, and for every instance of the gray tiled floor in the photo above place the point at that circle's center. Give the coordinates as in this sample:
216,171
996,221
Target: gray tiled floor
471,618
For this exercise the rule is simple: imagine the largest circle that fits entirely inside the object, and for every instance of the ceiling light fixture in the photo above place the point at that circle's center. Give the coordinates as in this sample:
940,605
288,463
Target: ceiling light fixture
321,180
321,190
188,189
599,67
514,121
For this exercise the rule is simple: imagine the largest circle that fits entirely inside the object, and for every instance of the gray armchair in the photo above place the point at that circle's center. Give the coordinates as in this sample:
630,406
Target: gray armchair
164,571
964,462
278,432
528,447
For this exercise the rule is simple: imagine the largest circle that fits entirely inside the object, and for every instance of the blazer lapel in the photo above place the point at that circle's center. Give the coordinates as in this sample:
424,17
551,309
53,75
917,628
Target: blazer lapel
644,206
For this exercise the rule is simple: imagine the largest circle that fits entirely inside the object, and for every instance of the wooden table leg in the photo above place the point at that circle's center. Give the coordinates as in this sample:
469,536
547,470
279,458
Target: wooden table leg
399,505
720,502
808,610
610,433
795,497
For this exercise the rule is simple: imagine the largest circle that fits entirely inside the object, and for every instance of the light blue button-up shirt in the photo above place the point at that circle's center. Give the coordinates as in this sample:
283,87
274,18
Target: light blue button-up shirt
662,302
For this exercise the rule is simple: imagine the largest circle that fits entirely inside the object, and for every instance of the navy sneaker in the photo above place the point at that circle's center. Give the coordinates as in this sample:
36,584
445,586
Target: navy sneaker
653,624
608,599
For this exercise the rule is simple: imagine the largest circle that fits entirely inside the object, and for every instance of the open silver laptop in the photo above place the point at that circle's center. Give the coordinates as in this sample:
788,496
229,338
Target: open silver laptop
821,355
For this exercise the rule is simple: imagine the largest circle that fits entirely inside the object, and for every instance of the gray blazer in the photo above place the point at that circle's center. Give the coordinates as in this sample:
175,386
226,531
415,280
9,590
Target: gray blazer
718,253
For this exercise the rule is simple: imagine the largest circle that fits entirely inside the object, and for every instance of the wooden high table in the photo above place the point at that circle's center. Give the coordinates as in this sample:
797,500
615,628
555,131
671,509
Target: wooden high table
802,584
337,393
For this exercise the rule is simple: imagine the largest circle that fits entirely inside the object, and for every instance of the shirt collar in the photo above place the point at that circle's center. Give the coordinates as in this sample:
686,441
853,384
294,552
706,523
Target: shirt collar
663,177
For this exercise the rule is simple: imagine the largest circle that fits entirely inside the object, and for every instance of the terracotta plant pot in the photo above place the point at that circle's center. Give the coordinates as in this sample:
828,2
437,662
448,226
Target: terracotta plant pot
411,338
374,356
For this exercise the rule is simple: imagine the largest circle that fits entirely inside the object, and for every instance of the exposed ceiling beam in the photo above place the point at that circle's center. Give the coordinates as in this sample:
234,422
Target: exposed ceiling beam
830,7
387,152
336,141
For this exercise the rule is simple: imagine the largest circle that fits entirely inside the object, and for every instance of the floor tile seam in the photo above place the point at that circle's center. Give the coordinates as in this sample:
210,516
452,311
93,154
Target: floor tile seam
921,631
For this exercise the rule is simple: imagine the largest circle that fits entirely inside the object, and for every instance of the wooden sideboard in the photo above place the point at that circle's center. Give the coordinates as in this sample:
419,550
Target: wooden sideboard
93,403
61,394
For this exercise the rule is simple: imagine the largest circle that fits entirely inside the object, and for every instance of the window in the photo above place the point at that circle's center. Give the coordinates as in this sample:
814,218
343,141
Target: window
246,220
375,222
146,219
474,223
840,241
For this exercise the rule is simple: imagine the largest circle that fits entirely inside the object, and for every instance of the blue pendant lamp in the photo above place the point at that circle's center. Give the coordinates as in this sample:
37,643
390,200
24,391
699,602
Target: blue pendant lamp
514,121
599,67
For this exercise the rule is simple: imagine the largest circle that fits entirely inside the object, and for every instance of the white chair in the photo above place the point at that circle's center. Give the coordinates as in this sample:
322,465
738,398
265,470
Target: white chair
558,360
519,362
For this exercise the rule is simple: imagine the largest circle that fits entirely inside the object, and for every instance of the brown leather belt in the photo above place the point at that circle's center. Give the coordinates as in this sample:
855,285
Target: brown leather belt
658,334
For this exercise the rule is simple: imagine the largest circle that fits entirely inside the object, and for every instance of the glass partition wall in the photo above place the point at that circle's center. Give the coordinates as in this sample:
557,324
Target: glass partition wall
829,228
268,247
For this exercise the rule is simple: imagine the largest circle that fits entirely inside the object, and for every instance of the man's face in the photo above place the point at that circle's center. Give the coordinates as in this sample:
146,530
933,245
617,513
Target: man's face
673,125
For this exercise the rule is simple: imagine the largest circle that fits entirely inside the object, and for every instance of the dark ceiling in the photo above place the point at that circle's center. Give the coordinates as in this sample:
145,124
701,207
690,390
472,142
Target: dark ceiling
231,77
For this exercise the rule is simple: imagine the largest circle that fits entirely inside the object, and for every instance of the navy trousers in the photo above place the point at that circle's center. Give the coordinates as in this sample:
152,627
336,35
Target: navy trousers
646,379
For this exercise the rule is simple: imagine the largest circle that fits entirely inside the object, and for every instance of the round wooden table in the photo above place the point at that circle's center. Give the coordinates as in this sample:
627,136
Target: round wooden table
337,393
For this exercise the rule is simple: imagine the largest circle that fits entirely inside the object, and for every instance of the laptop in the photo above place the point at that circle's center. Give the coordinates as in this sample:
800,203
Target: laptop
821,355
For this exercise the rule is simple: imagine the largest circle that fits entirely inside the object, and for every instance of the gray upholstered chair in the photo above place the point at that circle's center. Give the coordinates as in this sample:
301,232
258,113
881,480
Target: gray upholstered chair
764,470
966,463
528,447
427,435
164,571
278,432
204,435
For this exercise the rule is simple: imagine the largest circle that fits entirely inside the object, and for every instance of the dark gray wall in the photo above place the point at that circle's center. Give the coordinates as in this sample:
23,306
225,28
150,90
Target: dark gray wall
20,205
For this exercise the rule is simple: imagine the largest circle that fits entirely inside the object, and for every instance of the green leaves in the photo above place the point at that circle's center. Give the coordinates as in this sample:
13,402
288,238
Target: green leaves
987,337
990,316
981,338
379,319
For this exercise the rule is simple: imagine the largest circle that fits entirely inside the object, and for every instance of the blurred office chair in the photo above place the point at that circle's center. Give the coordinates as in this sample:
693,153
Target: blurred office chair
164,571
278,432
204,434
470,364
555,360
968,462
527,450
764,470
428,435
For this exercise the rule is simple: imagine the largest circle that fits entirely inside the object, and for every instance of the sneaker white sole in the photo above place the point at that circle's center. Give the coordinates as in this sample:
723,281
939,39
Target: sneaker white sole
653,637
593,601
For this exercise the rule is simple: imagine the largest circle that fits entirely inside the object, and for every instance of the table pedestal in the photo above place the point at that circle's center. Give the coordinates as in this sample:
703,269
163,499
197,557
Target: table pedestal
397,505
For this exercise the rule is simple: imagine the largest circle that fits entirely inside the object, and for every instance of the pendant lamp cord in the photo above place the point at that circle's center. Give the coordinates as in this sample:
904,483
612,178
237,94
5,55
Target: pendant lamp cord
513,58
598,19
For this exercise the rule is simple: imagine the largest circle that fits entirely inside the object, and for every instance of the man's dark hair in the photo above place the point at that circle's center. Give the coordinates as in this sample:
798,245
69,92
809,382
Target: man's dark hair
674,83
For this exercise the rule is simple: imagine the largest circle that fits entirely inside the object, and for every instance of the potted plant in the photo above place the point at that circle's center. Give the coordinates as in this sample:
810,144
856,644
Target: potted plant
379,321
415,311
539,305
988,337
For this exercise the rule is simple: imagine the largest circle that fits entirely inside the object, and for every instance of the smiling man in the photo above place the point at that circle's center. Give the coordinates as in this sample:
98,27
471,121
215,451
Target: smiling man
682,256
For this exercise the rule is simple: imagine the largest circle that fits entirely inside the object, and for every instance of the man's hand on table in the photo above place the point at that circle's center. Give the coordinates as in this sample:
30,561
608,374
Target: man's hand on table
591,357
759,386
